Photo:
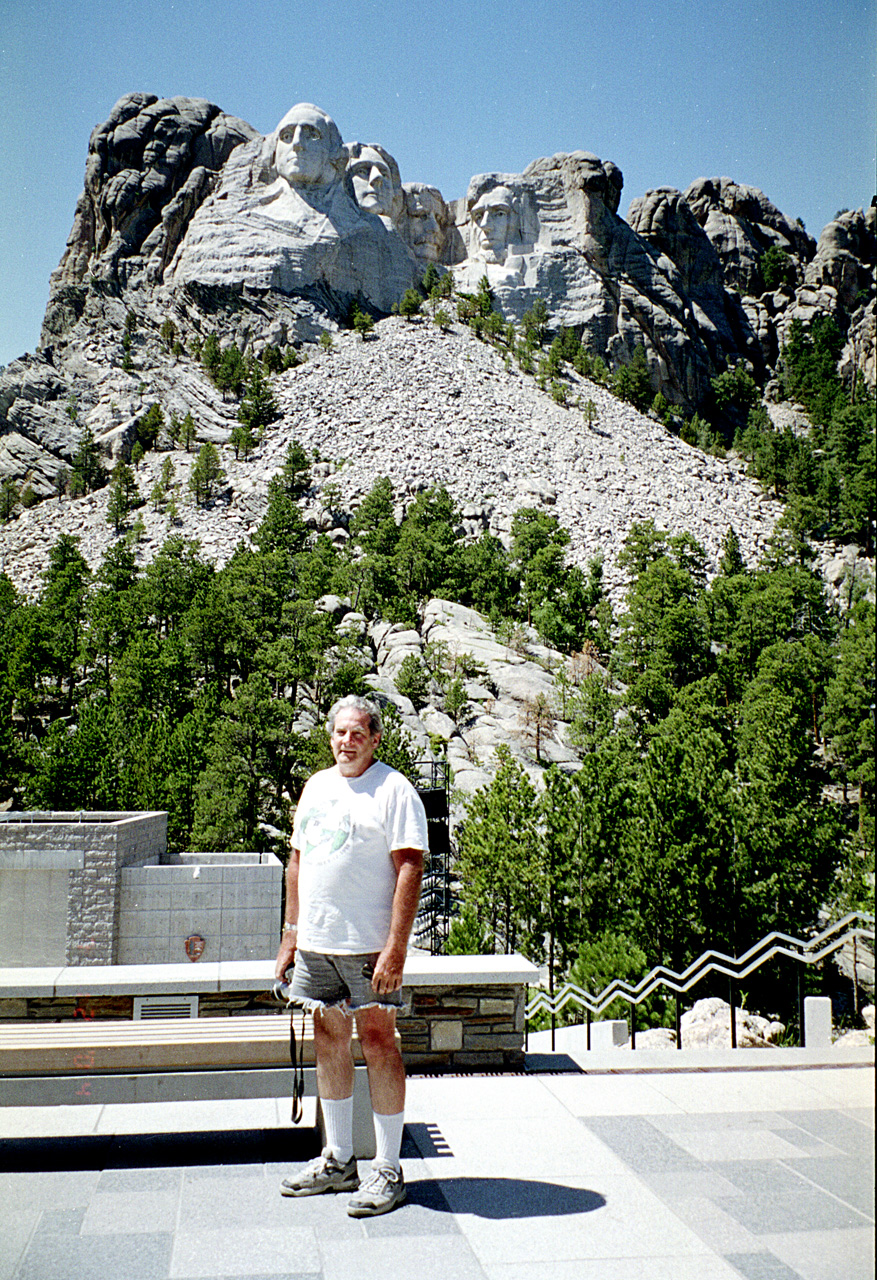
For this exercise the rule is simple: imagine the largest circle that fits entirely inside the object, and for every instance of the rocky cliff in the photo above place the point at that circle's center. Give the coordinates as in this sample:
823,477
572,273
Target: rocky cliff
191,219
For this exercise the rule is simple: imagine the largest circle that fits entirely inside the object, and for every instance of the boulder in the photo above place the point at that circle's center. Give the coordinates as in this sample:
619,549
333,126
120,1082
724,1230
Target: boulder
707,1025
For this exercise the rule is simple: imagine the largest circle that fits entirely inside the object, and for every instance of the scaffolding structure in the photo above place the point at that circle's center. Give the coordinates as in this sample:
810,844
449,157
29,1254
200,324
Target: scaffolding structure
434,914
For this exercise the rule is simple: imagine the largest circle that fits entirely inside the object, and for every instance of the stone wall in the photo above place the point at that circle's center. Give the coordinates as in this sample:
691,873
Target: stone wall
464,1026
465,1012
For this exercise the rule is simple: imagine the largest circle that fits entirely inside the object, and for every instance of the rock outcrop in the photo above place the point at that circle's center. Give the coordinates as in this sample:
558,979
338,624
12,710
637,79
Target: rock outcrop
422,407
150,166
191,223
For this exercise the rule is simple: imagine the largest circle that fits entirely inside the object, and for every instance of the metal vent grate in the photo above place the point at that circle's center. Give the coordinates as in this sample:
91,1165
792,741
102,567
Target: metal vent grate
165,1007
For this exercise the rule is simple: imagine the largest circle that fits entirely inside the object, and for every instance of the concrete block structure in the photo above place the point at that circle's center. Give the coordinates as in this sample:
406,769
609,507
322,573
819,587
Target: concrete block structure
101,889
231,900
60,880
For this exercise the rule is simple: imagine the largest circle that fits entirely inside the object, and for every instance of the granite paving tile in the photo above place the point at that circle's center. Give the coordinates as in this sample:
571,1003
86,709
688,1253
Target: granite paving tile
776,1199
677,1186
51,1190
826,1255
737,1144
237,1251
837,1129
611,1096
550,1148
166,1180
436,1258
840,1087
762,1266
851,1180
709,1222
716,1122
705,1267
213,1202
642,1146
130,1213
15,1235
64,1257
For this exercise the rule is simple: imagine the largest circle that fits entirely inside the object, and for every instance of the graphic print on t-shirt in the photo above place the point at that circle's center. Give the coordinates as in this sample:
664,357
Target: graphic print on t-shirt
325,831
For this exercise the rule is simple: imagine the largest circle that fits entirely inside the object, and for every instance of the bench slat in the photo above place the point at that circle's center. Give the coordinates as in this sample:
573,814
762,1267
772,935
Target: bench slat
155,1044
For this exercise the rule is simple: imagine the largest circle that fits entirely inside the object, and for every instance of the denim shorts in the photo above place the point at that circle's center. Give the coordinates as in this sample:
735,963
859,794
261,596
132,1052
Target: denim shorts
337,982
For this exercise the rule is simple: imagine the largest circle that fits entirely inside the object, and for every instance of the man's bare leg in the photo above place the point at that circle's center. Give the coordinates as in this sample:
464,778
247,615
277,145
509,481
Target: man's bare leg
376,1028
332,1034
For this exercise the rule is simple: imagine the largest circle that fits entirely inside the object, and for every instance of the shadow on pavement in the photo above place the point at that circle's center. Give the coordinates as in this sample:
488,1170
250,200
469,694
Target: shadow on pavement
503,1197
158,1150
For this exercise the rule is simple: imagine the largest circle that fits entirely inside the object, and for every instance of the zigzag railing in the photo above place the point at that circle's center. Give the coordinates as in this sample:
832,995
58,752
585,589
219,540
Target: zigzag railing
853,927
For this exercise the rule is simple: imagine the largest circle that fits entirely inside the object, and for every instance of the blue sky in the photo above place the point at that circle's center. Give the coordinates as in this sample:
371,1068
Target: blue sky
776,93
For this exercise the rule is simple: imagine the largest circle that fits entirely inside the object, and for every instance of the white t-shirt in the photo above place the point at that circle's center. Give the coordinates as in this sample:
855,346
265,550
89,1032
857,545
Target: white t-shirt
345,830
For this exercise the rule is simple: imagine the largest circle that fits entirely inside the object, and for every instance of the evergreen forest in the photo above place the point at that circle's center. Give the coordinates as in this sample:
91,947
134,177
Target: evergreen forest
725,728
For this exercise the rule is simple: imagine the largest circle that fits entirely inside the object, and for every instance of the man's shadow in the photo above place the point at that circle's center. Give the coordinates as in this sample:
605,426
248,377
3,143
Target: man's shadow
488,1197
502,1197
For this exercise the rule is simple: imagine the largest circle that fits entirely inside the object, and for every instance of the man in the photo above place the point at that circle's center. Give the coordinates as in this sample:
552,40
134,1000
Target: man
352,888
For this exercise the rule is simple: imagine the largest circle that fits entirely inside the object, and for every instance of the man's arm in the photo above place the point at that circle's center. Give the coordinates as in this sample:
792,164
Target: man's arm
390,963
289,937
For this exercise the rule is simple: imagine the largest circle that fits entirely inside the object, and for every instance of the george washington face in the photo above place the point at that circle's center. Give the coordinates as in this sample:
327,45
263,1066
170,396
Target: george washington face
308,149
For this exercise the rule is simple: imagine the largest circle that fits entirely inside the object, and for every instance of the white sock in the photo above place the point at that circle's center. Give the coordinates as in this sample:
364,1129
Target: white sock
388,1138
338,1119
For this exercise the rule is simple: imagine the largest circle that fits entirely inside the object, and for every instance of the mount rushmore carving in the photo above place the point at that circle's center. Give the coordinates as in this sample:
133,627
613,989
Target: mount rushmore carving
190,214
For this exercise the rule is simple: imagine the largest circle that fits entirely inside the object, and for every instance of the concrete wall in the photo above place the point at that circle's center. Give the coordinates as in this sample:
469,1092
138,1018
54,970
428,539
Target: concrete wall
231,899
33,917
92,848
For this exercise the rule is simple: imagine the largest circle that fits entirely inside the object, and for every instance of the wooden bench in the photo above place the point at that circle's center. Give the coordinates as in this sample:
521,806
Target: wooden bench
166,1060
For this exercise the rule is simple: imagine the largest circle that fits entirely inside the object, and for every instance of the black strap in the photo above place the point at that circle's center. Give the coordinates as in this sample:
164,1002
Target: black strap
298,1072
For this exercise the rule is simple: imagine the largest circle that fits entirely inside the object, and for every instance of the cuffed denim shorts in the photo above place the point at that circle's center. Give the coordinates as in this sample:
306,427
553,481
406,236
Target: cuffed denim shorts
337,982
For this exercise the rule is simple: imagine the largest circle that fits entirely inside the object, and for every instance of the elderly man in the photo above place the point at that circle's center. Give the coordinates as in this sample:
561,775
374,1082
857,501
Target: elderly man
352,888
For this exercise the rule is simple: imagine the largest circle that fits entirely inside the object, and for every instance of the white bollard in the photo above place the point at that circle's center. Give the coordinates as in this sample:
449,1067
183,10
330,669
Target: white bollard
609,1034
817,1022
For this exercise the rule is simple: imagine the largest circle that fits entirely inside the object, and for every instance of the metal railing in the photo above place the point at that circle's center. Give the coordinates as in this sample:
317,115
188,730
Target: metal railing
858,925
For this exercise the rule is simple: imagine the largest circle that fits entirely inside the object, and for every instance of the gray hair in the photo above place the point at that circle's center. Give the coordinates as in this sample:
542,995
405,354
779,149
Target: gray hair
354,702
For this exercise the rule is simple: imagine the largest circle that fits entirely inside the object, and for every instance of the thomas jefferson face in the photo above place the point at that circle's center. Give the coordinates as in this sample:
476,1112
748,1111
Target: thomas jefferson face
372,182
307,147
426,214
493,217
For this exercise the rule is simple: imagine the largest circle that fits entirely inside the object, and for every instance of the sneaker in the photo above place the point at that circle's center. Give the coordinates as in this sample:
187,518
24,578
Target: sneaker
382,1190
321,1175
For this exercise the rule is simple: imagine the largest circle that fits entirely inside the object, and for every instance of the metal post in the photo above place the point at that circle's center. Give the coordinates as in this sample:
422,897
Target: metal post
855,977
633,1026
803,1035
678,1023
732,1001
588,1021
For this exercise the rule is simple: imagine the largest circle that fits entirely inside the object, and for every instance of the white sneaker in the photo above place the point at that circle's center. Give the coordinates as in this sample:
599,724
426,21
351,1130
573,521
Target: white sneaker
381,1191
321,1175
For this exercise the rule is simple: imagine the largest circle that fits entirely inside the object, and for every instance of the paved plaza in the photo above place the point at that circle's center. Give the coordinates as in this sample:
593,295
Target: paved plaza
662,1170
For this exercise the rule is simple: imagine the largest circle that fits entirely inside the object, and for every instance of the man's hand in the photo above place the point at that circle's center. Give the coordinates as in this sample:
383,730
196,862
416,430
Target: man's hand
387,976
285,955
